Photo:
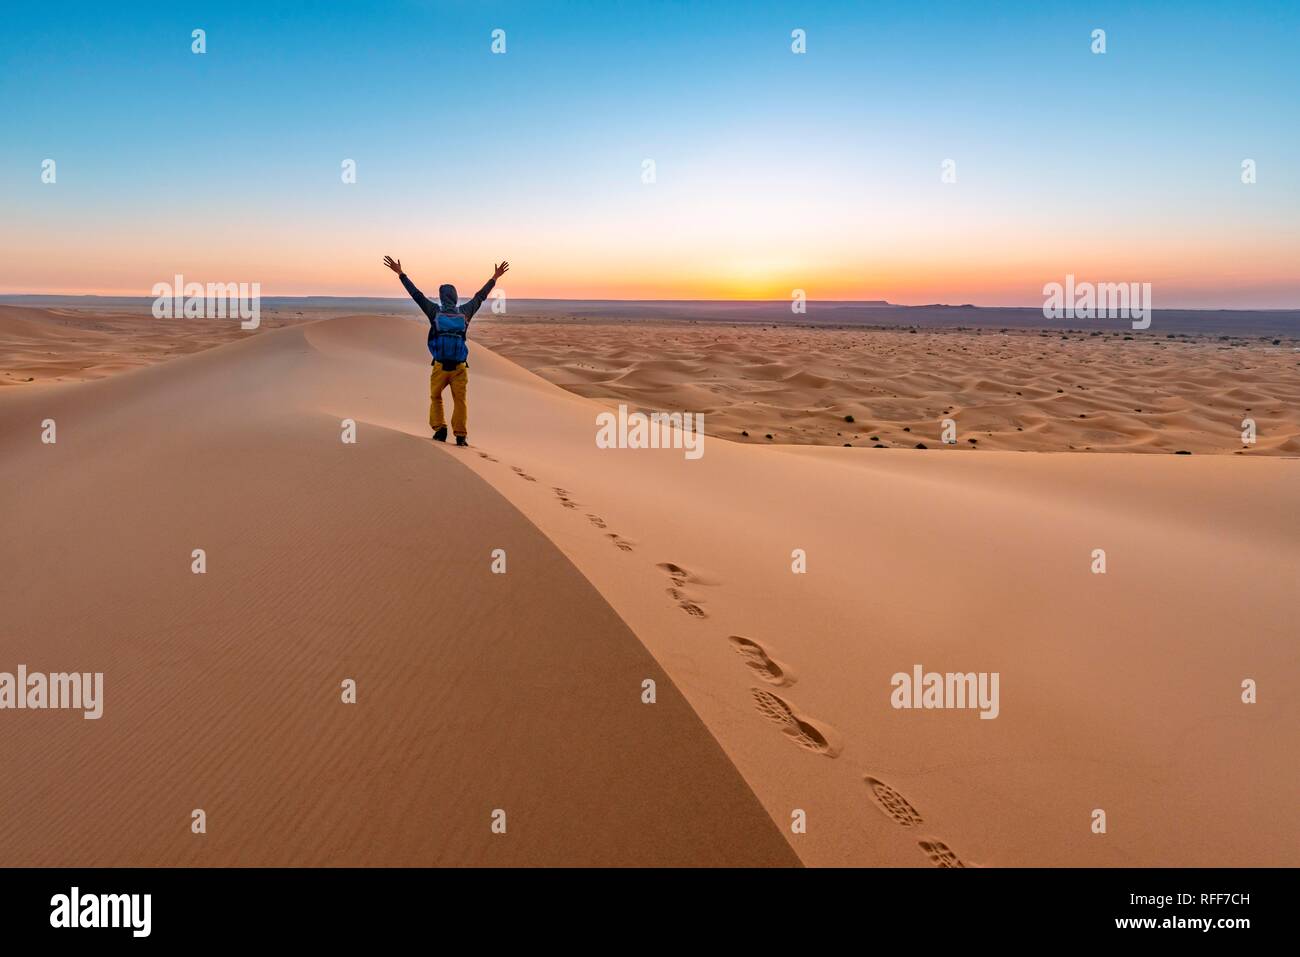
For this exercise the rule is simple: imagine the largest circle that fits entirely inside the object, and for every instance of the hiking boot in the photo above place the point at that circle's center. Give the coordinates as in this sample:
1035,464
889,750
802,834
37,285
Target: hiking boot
440,435
462,440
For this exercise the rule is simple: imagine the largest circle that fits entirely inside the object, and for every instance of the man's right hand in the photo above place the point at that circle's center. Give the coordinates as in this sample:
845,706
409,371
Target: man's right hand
394,264
500,270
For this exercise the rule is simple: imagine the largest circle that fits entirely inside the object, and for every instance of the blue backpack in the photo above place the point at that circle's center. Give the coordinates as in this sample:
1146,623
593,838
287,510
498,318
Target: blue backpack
447,338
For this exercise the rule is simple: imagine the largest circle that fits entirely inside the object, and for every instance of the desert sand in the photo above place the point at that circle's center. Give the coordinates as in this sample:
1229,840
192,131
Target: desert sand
1012,389
522,691
68,344
325,561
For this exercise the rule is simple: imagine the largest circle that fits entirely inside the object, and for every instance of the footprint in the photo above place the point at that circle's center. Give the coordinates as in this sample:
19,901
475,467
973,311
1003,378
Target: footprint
799,729
763,664
597,521
892,803
679,577
563,496
622,543
939,853
484,455
522,474
685,603
676,574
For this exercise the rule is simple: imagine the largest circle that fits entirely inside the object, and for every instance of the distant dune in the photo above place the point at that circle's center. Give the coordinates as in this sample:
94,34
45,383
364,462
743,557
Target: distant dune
873,313
1015,390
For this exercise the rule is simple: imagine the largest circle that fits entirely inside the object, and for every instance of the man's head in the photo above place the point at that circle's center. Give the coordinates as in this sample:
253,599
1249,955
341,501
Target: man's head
447,297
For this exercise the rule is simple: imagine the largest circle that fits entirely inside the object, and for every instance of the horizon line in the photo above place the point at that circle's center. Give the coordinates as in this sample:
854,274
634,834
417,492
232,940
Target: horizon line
871,303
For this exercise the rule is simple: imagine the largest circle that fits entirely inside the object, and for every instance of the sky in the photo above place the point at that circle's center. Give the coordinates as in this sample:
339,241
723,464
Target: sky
773,170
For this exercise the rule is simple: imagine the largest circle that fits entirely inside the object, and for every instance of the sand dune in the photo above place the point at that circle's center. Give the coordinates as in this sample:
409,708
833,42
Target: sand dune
1012,390
1119,692
45,345
326,561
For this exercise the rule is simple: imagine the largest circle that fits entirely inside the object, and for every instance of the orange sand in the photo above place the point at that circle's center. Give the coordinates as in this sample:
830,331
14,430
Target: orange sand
1119,692
1024,391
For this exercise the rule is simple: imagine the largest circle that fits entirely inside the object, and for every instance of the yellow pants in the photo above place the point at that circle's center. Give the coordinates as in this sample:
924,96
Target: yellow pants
459,381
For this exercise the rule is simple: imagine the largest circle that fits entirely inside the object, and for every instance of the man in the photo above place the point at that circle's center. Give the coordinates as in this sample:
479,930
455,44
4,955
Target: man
448,324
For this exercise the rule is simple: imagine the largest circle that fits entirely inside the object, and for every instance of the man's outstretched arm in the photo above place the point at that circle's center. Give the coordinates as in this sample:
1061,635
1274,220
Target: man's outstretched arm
473,305
420,298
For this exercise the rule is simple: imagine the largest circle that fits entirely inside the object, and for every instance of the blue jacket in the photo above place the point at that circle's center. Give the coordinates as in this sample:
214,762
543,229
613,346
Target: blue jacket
447,303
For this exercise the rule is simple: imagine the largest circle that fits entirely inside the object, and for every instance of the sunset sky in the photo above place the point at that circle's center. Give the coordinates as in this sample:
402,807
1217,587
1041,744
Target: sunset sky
774,171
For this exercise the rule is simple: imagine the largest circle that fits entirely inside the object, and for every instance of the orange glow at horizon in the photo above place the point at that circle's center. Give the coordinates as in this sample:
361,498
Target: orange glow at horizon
954,272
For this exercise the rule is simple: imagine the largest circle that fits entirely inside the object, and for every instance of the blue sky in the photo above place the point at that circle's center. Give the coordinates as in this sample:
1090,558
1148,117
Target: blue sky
773,169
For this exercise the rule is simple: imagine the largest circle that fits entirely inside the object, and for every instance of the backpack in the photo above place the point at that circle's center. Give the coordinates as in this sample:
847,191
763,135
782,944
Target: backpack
447,338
